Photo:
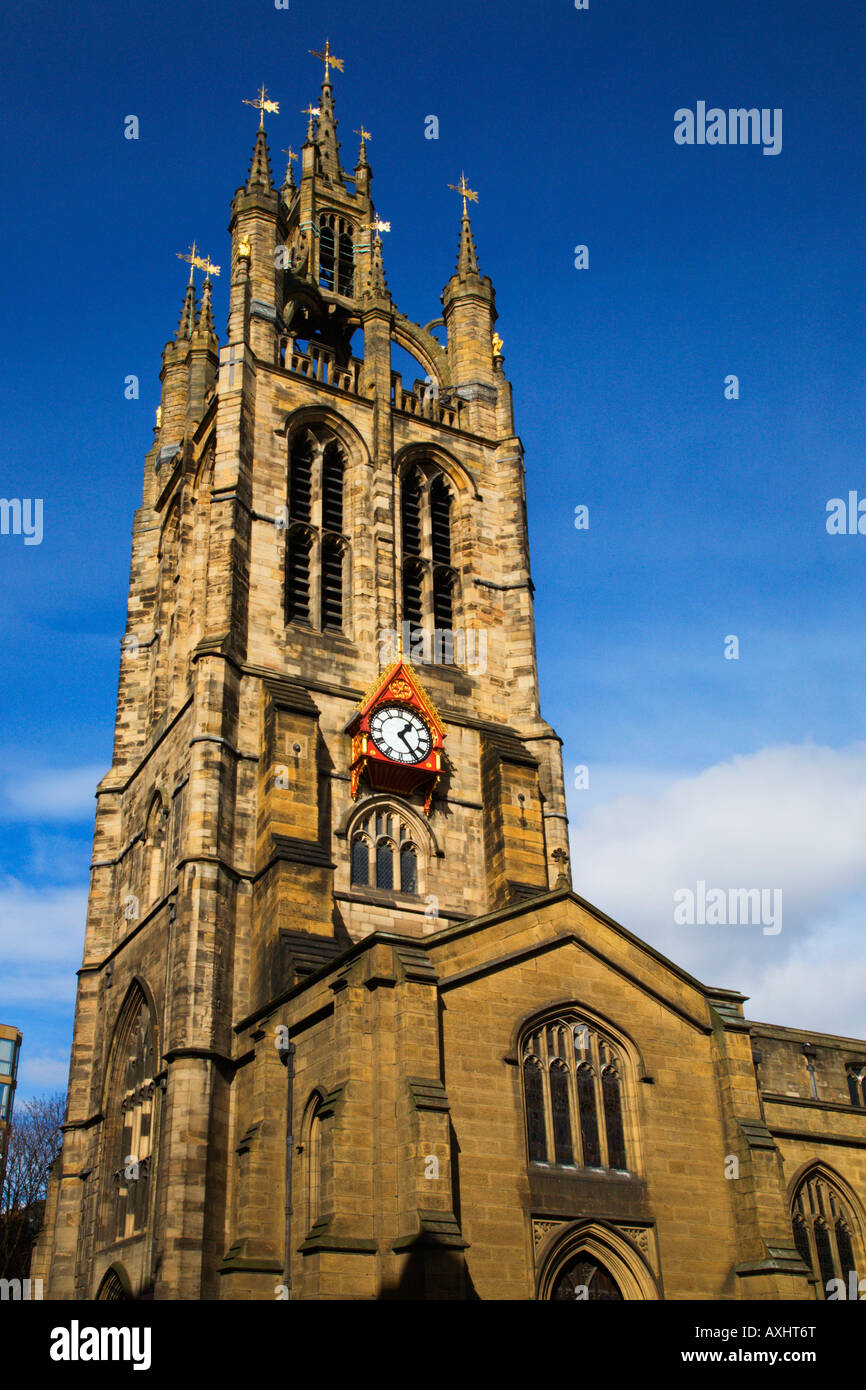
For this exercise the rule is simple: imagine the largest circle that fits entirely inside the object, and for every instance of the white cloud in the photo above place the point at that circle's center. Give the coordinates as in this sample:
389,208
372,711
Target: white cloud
49,1072
41,940
45,794
791,818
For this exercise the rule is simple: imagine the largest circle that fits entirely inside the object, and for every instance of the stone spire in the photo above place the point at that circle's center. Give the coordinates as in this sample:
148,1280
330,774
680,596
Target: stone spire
376,283
260,167
467,259
326,136
186,326
289,187
204,323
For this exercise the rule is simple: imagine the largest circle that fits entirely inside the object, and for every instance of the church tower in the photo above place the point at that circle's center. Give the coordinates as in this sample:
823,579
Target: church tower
343,1029
328,720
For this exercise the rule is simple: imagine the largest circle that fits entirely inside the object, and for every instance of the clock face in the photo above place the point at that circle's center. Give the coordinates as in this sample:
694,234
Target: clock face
400,734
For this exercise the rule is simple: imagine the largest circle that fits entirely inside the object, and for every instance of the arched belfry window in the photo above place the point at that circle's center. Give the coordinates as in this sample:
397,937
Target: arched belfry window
385,853
429,577
130,1122
317,547
336,254
572,1085
827,1234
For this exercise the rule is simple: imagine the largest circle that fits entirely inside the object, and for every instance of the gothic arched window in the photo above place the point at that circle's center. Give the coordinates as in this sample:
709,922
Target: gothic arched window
313,1163
385,864
336,254
316,554
408,869
573,1098
383,840
429,579
130,1103
360,861
826,1232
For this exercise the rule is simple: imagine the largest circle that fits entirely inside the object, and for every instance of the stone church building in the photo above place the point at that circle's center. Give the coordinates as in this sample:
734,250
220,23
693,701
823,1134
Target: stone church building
344,1029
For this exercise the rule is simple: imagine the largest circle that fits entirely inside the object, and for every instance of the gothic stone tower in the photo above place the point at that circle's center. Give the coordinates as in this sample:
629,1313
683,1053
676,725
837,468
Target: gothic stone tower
307,519
343,1030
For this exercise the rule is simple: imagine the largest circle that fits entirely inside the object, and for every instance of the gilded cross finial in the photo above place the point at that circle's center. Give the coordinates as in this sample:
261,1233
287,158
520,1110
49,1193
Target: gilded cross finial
262,105
328,59
465,191
290,155
364,134
207,266
311,111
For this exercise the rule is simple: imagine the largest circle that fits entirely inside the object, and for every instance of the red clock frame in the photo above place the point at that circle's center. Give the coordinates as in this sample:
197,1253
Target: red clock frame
398,686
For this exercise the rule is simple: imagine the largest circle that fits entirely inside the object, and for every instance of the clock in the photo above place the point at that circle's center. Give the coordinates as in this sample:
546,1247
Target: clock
397,737
400,734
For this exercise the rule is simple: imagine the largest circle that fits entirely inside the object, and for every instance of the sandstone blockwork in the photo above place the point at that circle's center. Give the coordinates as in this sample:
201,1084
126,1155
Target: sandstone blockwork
485,1087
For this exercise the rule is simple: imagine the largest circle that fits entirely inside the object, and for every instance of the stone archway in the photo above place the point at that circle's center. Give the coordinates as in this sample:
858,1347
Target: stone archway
591,1261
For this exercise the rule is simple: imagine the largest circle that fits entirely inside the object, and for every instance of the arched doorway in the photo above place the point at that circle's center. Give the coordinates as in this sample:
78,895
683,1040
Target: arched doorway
592,1261
113,1289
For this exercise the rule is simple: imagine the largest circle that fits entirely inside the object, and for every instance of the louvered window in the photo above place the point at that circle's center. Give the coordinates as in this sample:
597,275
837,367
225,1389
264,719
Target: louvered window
440,521
298,577
332,489
332,585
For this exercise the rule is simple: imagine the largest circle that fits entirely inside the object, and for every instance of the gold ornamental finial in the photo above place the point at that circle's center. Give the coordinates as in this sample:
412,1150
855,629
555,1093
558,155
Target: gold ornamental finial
328,60
192,257
364,134
311,111
465,191
290,155
377,227
262,105
198,262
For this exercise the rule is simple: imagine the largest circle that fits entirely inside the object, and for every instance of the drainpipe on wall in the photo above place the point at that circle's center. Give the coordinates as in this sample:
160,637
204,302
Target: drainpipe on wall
287,1057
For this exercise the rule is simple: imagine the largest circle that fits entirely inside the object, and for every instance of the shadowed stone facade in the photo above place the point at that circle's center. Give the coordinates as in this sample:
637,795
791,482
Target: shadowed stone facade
486,1088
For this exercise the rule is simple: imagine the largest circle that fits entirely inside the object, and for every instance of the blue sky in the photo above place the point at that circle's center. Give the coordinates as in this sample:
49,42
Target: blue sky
707,516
